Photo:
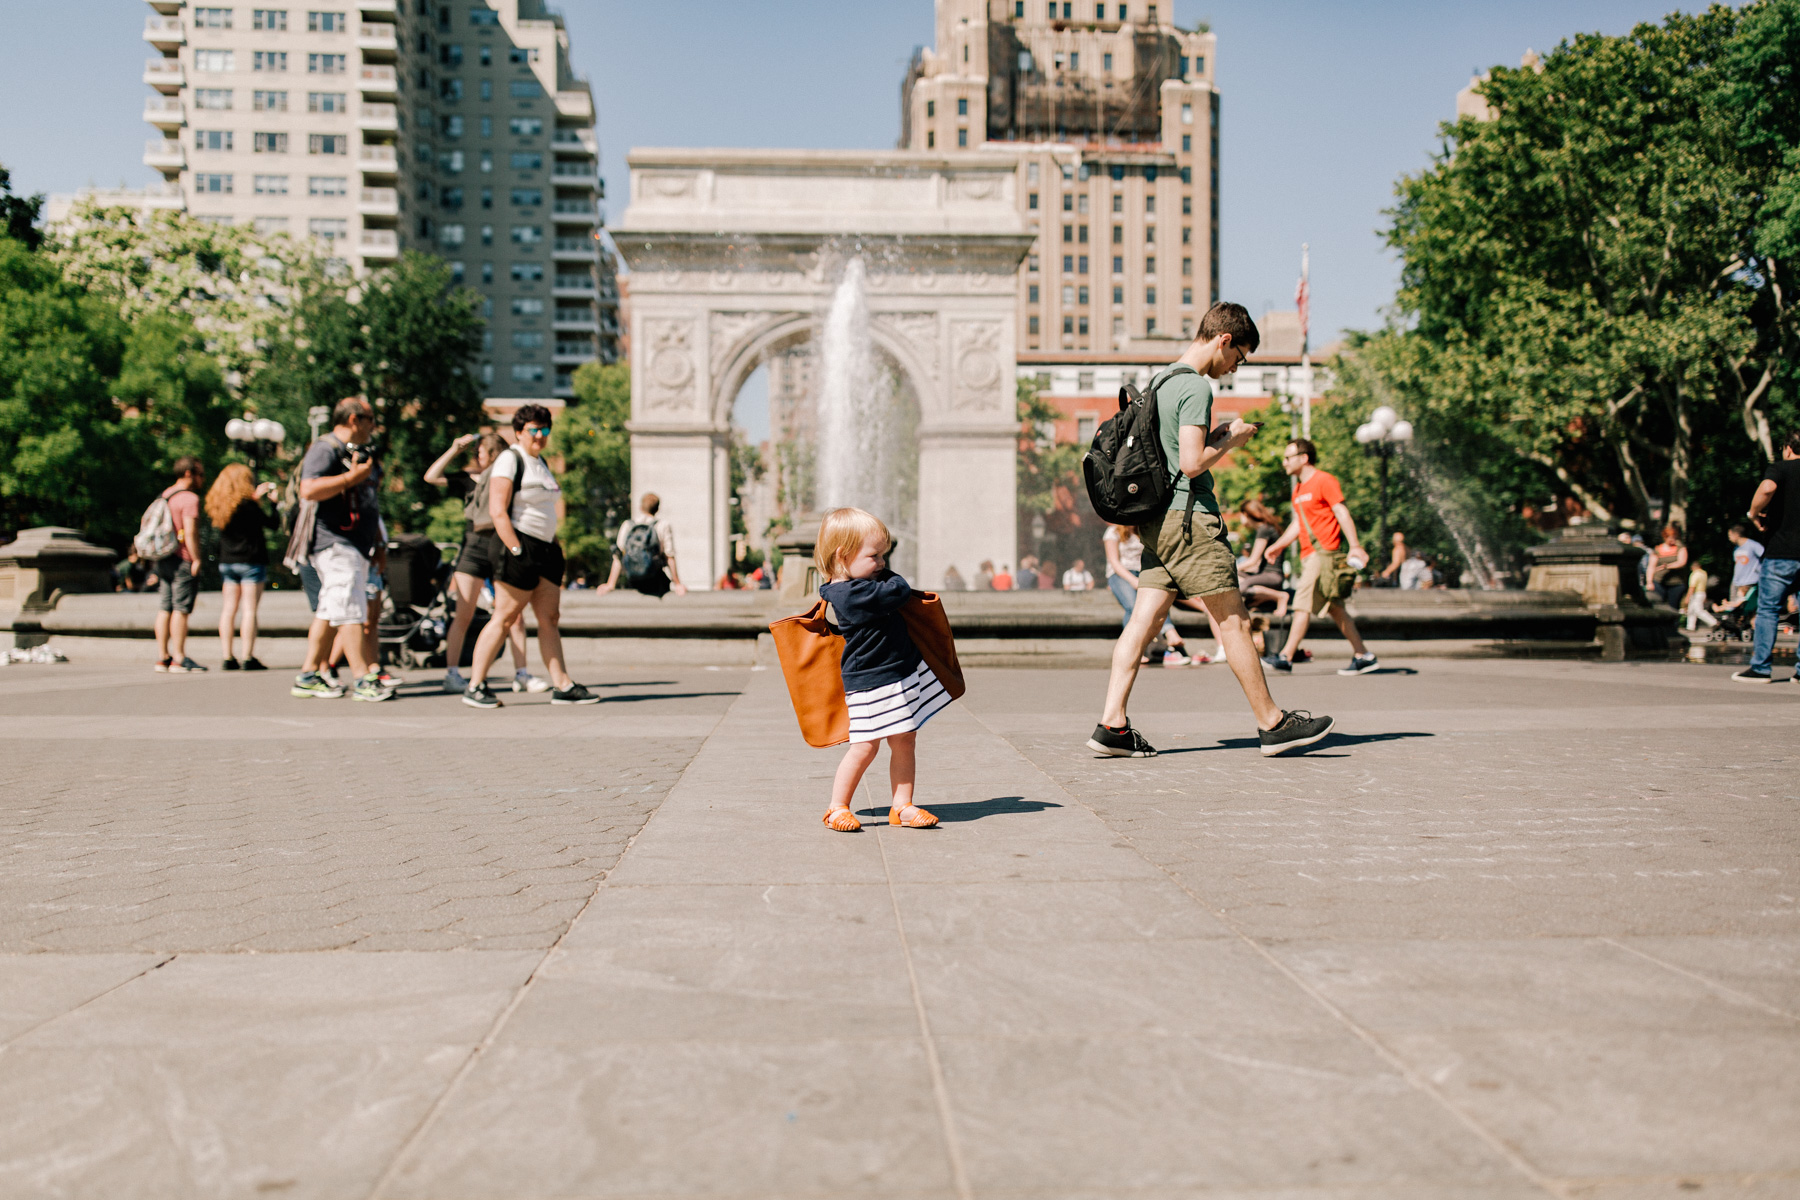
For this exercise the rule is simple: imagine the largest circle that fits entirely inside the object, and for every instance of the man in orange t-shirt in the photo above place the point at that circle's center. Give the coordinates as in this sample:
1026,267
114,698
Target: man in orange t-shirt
1321,524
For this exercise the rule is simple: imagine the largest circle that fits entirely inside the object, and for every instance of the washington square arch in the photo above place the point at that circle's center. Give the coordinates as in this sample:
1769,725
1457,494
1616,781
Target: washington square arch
738,254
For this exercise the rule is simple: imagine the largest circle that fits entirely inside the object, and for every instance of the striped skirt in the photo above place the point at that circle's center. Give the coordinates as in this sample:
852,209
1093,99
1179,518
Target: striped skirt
896,707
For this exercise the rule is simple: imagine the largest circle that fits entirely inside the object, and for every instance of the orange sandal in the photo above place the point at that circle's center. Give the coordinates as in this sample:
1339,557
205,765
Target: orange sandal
843,820
923,820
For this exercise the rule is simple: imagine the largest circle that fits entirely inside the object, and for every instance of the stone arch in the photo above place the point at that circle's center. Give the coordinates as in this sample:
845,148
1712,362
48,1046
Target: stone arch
756,340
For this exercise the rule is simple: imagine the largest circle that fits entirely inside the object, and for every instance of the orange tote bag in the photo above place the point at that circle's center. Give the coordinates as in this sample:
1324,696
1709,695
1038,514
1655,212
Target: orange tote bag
929,629
812,658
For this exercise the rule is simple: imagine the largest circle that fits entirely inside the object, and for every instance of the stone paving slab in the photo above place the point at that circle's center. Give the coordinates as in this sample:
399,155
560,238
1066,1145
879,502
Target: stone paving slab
1521,929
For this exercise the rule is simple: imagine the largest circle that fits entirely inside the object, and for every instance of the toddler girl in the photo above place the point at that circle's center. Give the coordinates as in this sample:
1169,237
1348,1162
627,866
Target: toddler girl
890,690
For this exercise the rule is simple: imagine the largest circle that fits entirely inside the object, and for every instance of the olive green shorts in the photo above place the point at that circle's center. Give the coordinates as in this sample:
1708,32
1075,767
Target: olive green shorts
1198,565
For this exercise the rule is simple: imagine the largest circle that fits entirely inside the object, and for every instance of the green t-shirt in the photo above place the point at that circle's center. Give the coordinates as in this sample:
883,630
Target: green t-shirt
1186,399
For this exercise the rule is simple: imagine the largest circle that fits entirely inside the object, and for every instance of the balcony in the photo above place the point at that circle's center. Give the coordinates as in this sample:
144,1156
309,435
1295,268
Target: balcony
391,7
576,211
379,202
573,174
379,160
167,197
165,112
573,287
581,248
165,33
379,81
378,118
575,141
573,353
167,8
377,38
379,243
575,104
575,320
165,154
165,74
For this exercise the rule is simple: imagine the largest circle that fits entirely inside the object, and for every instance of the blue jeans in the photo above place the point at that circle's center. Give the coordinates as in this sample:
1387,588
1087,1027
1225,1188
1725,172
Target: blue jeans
1780,579
1126,595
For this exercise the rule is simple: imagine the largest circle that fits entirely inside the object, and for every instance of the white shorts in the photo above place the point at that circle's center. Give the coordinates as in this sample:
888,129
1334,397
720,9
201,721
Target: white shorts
896,707
343,585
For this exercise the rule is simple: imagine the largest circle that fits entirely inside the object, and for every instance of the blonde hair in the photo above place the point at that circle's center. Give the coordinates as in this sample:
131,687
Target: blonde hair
234,485
841,536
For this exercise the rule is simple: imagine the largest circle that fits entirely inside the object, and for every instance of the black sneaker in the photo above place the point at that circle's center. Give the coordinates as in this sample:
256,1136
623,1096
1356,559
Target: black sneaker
164,664
1277,663
573,694
1296,729
1360,664
1120,743
480,695
1749,676
250,664
230,664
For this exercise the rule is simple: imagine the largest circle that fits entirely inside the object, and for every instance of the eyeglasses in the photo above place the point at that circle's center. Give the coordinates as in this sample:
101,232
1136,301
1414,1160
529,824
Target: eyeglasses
538,430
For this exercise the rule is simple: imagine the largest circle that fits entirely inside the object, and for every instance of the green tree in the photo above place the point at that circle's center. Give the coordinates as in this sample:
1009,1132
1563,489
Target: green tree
19,214
596,453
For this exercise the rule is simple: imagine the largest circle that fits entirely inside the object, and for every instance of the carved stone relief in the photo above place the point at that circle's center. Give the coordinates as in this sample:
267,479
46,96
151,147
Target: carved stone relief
976,372
669,368
920,331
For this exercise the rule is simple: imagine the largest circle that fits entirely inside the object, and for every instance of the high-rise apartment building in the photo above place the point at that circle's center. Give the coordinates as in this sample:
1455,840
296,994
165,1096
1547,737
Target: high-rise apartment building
1113,113
455,127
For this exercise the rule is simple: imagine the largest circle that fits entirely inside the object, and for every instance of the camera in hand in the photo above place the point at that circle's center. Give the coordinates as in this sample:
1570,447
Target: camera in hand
369,451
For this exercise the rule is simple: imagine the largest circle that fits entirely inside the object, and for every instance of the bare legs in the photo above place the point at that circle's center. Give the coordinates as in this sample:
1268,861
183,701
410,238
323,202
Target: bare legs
171,635
509,610
1233,624
903,760
1303,620
467,590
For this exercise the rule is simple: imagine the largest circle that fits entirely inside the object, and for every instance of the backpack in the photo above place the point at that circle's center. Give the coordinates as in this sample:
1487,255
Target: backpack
642,556
156,531
475,508
1129,478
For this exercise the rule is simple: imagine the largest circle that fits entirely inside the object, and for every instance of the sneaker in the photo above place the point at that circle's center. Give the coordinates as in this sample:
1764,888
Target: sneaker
480,695
250,664
525,681
316,686
163,665
370,688
1748,676
230,664
1175,658
1120,743
1360,664
454,683
1296,729
186,666
1302,655
1277,663
573,694
389,679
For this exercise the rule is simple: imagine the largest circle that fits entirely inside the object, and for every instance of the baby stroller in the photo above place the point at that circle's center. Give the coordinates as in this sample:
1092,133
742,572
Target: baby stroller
1735,620
416,612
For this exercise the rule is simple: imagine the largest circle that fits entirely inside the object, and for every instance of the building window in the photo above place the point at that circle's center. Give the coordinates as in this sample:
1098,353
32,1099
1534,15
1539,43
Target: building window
487,127
273,20
450,161
327,143
487,272
1031,294
1149,204
451,198
1118,264
271,185
527,235
1199,64
268,101
1085,429
268,60
325,64
269,143
1181,67
1118,327
528,373
484,17
1187,296
1118,203
1068,233
1118,235
214,60
487,89
450,235
962,107
1074,60
527,162
1083,236
1068,263
1081,265
332,229
528,341
214,18
450,54
487,235
1082,326
1068,202
1082,204
456,273
1187,174
487,197
930,139
526,306
1150,295
1031,201
450,90
1019,10
1118,294
962,138
1149,326
1082,296
527,272
1150,235
487,162
326,185
1150,264
1106,63
1031,264
452,126
1187,143
1068,324
1187,205
1068,293
1187,266
1031,172
325,22
212,139
326,102
487,56
269,226
1032,326
525,89
931,108
527,197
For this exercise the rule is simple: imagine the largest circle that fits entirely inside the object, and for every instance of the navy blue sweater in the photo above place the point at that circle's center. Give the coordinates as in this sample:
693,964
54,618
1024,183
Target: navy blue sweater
877,649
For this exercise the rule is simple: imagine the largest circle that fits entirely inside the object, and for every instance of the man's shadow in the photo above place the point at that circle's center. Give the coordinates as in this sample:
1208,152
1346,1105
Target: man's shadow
1331,740
973,810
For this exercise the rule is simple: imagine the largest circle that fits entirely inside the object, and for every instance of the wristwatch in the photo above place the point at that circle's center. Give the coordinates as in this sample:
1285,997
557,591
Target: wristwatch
515,551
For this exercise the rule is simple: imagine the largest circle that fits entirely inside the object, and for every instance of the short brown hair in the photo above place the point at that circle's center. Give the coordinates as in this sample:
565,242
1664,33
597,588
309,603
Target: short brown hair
350,408
187,465
1305,446
530,414
650,503
841,534
1226,317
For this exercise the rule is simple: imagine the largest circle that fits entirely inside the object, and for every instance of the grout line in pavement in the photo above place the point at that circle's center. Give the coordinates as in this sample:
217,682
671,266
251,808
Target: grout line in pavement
1418,1082
1740,997
940,1091
155,966
430,1119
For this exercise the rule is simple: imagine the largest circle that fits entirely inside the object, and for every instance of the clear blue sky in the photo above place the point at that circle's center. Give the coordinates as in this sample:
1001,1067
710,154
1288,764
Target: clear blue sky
1325,103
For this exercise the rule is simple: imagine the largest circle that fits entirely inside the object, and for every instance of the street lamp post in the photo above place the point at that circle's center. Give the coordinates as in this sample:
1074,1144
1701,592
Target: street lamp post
258,435
1382,435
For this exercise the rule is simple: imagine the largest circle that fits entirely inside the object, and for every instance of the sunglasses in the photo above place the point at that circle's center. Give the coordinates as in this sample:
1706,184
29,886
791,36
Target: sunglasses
539,430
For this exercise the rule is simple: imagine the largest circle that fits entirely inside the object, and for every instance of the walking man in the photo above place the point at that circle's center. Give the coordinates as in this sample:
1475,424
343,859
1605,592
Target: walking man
1322,524
180,571
1181,561
1775,510
644,552
340,475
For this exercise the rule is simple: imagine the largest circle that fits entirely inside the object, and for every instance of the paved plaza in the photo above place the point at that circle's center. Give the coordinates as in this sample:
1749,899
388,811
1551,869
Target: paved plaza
1518,929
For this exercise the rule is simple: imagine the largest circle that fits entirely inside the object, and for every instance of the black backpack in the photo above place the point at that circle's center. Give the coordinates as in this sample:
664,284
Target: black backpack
1129,478
642,559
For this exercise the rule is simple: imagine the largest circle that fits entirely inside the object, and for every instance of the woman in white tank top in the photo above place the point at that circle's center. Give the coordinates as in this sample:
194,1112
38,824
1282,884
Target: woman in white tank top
525,502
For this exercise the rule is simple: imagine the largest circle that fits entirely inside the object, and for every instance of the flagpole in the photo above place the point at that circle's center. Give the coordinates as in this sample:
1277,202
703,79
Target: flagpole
1305,349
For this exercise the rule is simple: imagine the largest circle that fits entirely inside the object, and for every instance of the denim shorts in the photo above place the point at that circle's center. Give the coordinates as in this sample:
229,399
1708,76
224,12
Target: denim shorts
376,583
244,572
179,587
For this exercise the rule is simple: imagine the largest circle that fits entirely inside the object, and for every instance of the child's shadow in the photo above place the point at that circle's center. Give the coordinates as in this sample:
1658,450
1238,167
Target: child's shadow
973,810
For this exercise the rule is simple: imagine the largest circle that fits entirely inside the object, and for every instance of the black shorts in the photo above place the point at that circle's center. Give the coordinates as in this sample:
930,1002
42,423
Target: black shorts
538,562
481,553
